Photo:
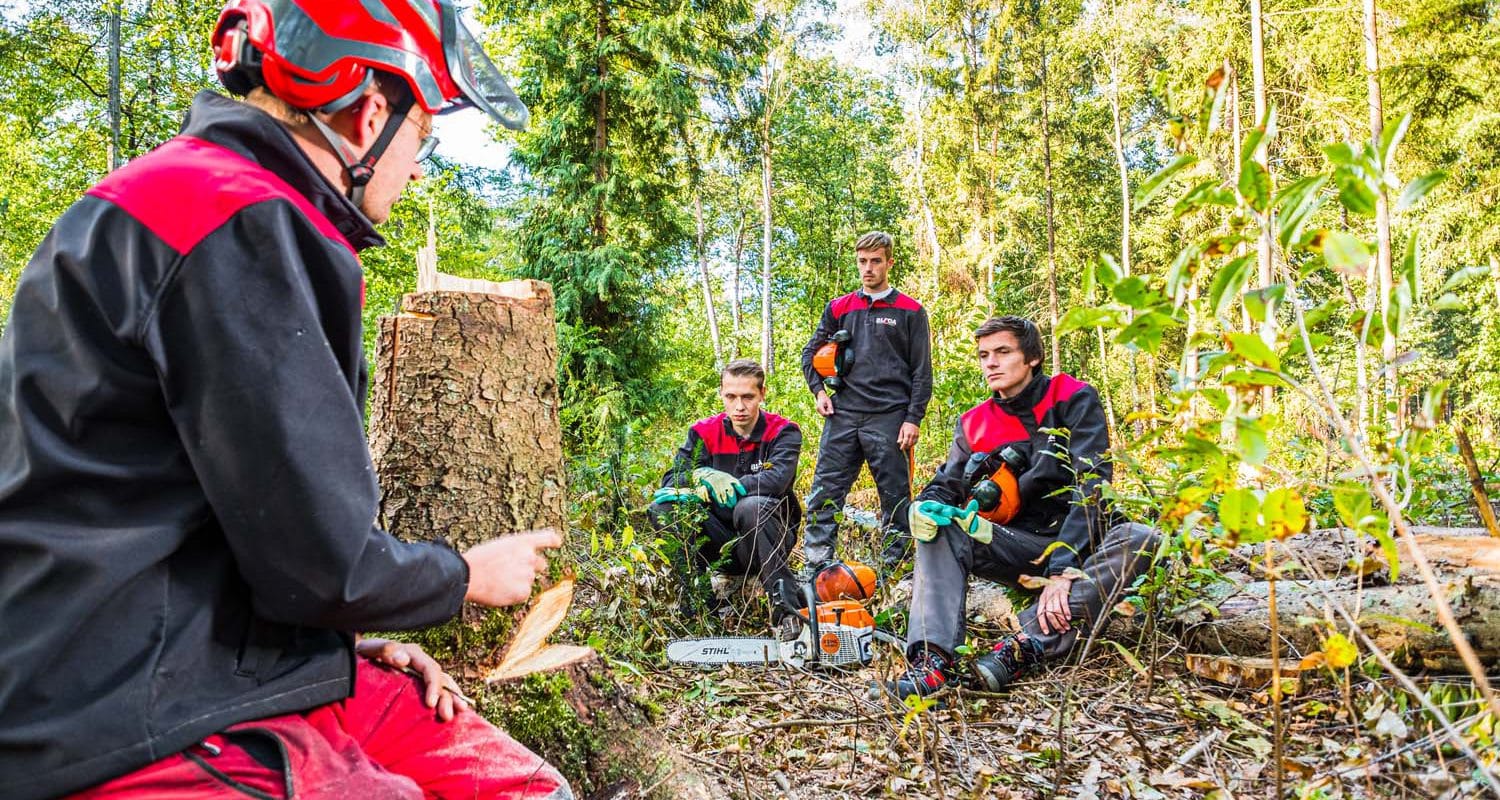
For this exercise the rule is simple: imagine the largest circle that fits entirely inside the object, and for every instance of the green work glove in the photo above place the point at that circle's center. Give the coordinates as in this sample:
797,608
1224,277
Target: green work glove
928,516
680,494
981,529
725,489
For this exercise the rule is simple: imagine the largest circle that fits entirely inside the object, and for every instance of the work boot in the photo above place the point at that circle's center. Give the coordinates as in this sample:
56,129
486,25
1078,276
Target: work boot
1013,657
926,673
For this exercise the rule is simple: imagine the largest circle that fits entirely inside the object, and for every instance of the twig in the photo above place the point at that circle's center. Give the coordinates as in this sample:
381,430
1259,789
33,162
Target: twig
1197,749
1476,480
806,722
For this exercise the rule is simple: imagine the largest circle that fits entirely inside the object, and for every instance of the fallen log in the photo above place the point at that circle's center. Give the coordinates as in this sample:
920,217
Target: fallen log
1340,552
467,444
1400,619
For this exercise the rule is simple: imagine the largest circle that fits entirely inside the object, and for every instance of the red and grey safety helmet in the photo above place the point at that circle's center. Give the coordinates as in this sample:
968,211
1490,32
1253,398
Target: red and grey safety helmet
317,55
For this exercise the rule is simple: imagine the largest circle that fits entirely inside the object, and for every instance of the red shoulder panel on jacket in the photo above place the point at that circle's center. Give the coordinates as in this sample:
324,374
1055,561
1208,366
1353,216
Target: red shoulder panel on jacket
185,189
1061,388
711,431
906,303
988,427
845,304
775,424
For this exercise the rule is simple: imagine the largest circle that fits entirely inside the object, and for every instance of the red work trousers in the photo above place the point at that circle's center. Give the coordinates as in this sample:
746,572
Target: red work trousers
381,743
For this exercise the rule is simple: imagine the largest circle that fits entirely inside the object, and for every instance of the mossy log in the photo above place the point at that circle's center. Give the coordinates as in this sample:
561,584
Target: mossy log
467,443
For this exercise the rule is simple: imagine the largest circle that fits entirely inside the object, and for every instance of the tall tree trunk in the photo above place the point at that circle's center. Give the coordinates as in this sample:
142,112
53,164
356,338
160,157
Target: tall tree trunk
929,223
1117,141
1394,413
708,289
601,119
467,444
767,343
1052,310
734,285
115,159
1263,247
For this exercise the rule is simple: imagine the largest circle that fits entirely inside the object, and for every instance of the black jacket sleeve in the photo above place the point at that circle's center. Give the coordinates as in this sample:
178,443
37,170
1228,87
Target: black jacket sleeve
781,454
690,456
275,434
1088,456
921,368
824,332
947,486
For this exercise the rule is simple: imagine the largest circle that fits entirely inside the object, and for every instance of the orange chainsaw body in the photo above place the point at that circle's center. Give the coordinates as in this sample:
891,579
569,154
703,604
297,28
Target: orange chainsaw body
1010,496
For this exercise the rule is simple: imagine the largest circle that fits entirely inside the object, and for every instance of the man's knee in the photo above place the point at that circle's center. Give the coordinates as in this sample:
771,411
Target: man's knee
1140,540
754,511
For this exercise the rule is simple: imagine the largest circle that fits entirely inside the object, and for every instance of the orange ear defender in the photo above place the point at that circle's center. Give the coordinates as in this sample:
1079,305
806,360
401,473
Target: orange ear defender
832,360
998,493
846,580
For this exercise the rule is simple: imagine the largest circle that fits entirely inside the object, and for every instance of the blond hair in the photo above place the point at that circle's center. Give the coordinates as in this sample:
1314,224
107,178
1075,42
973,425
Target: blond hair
876,240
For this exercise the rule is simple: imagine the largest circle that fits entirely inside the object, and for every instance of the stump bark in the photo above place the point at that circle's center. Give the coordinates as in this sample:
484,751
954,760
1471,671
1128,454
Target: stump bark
466,439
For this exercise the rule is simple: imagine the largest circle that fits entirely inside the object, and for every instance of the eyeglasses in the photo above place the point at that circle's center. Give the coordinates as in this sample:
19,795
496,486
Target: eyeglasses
424,150
428,144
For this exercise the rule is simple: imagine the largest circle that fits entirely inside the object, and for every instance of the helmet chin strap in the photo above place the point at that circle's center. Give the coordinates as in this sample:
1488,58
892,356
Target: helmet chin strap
361,169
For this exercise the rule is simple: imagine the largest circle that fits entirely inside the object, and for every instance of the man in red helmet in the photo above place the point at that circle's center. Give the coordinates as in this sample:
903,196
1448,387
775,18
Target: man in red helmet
187,505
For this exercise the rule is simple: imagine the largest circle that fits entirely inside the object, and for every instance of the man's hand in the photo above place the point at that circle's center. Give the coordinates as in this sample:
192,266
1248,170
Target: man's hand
824,404
502,570
906,438
1052,613
440,691
725,489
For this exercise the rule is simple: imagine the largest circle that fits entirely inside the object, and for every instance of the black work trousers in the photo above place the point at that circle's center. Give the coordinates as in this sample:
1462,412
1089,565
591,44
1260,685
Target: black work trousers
941,582
755,537
851,439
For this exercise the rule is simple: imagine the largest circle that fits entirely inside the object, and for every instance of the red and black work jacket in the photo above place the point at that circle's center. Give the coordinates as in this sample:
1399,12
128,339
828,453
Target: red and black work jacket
1058,423
765,461
187,503
892,347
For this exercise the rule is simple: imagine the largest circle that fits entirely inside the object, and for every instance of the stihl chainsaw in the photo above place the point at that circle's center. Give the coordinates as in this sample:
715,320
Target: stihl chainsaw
839,634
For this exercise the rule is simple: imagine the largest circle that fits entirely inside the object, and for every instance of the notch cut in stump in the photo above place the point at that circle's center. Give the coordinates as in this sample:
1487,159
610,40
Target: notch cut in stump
467,443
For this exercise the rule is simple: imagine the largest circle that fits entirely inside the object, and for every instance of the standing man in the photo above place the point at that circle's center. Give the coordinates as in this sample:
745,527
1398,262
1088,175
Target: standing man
880,394
728,496
1041,445
188,537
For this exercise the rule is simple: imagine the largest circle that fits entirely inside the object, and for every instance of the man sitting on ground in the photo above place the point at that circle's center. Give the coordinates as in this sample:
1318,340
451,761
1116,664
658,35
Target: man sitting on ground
1033,456
728,496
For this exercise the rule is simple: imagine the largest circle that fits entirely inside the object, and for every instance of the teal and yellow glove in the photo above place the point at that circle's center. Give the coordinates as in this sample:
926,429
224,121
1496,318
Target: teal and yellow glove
928,516
725,489
680,494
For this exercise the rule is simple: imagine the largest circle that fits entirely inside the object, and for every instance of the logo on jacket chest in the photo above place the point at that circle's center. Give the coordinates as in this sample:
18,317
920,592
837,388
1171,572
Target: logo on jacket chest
891,321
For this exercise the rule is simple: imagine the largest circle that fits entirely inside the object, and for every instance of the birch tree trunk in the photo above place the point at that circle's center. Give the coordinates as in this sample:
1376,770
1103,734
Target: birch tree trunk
1052,310
767,343
1390,385
1263,246
708,290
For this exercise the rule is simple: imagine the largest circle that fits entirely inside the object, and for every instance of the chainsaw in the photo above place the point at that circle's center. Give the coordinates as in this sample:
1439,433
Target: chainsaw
839,633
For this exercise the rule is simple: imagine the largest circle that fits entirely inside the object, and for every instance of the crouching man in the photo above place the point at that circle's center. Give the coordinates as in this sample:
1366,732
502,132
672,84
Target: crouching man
1019,494
728,495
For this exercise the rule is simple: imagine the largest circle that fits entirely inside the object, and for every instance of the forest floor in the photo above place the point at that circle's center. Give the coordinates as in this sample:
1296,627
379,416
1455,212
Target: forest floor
1112,727
1127,720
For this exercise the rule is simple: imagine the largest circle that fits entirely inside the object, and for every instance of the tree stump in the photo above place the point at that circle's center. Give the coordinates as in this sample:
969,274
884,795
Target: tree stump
464,428
465,436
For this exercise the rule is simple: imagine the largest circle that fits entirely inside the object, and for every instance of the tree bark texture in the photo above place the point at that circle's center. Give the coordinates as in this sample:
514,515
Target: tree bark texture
464,428
1400,619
